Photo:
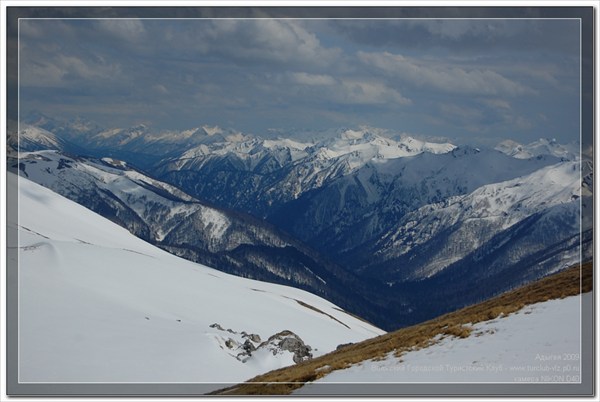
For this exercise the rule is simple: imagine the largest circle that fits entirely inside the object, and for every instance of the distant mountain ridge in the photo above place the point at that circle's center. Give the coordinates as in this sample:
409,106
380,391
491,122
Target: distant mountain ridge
543,146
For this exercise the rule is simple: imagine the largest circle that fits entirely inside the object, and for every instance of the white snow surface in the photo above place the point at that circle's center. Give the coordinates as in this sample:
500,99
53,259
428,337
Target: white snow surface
539,343
216,220
97,304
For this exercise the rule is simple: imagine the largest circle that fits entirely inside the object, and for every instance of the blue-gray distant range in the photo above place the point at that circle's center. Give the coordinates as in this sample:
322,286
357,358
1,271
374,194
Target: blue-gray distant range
392,228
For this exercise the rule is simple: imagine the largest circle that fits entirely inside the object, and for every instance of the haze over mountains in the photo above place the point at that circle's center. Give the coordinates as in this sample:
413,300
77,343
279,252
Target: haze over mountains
365,217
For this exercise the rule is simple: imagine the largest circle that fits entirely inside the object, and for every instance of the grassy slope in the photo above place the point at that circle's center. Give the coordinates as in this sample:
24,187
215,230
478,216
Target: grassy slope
283,381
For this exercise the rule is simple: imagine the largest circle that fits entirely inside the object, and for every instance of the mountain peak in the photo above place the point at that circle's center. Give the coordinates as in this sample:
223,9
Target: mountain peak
363,132
541,147
210,131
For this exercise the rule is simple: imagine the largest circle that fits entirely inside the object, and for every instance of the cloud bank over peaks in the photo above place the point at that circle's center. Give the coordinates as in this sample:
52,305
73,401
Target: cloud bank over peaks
438,75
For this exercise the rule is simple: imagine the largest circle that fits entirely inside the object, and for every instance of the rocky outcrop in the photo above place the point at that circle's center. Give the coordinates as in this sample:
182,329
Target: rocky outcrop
288,341
243,346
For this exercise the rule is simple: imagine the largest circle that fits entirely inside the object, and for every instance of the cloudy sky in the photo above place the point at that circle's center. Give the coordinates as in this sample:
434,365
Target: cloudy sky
483,79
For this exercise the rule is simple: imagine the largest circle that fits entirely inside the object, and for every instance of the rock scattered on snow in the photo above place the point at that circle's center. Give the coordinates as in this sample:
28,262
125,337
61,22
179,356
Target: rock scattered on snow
284,341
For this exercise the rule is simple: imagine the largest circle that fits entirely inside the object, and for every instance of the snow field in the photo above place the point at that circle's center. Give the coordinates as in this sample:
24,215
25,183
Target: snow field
97,304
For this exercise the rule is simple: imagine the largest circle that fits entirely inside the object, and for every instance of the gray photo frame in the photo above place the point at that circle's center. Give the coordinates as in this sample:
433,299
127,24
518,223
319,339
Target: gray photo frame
584,14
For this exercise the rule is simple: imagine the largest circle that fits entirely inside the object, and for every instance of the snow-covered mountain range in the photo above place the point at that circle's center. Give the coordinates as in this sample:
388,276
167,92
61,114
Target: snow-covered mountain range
462,224
265,173
362,205
398,216
97,304
170,219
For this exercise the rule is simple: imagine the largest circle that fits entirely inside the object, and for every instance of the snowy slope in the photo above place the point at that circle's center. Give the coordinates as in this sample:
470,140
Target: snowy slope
98,304
78,178
540,343
163,215
466,222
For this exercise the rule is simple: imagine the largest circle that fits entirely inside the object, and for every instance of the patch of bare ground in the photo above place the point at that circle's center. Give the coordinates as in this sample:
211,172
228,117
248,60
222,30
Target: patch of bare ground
572,281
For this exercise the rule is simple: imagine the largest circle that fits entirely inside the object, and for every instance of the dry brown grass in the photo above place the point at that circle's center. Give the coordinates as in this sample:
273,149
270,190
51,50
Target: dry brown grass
283,381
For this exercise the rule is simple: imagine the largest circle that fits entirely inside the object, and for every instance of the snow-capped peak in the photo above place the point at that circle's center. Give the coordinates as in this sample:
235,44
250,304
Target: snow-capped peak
368,144
35,138
419,146
543,146
212,130
352,134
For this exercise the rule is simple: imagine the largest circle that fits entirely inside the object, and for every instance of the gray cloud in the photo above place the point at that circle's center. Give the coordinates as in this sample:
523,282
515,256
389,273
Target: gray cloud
255,42
130,30
347,90
255,74
467,35
438,75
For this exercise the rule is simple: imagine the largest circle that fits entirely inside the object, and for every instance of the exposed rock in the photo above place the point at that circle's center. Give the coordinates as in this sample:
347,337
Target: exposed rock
285,341
288,341
248,347
253,337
